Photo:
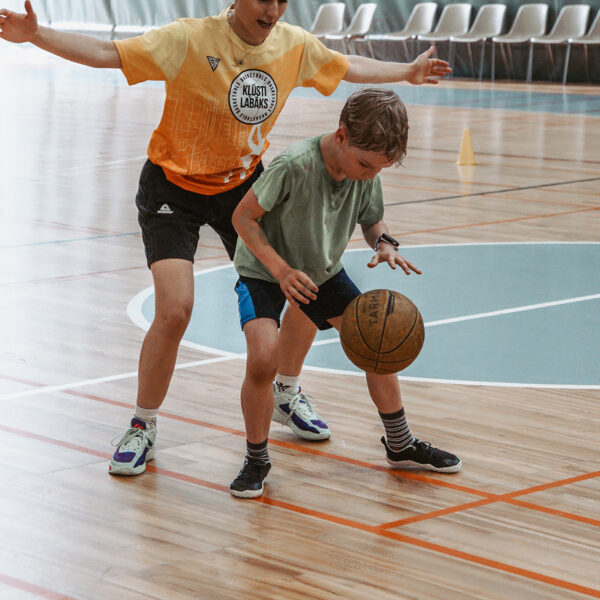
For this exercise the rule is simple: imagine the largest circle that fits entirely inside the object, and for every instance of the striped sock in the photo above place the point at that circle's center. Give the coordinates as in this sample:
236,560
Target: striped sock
397,433
258,451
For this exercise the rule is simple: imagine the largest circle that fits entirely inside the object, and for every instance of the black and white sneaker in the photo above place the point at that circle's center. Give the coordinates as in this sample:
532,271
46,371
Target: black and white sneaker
422,455
249,482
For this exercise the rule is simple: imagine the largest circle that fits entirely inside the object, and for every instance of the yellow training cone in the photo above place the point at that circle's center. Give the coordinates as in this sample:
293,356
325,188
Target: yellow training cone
466,156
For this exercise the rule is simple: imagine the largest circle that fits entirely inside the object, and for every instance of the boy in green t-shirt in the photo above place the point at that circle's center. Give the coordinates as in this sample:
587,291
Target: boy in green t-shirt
294,225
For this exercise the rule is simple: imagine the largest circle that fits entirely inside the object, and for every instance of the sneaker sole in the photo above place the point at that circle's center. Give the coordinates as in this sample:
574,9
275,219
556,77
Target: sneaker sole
119,469
246,494
409,464
301,433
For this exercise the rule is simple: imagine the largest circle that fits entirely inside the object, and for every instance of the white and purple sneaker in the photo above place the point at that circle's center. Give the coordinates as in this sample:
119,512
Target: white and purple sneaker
295,411
134,448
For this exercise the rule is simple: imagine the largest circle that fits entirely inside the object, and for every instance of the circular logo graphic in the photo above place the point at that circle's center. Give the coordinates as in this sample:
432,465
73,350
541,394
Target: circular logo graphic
253,96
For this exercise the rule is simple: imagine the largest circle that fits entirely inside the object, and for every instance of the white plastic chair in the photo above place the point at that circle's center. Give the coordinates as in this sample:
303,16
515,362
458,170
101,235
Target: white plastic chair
488,23
132,19
591,37
329,19
571,22
454,20
419,21
530,21
359,28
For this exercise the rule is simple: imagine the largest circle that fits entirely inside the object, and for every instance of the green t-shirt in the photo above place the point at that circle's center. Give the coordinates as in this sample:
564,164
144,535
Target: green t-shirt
310,216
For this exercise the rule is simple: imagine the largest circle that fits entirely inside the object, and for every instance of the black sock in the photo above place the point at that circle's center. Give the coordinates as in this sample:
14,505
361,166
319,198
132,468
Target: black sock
258,451
397,433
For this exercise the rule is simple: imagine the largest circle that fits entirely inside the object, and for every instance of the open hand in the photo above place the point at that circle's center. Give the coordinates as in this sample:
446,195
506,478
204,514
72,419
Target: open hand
18,27
389,254
425,68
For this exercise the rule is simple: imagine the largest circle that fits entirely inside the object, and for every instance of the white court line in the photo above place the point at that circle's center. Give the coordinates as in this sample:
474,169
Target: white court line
70,386
493,313
135,313
232,356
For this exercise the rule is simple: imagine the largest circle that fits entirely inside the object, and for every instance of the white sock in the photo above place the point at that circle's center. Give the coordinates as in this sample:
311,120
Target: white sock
147,414
287,383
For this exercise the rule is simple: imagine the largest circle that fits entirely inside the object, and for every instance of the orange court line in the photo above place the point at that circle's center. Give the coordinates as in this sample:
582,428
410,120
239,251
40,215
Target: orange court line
509,498
484,223
444,550
489,498
499,222
554,511
30,588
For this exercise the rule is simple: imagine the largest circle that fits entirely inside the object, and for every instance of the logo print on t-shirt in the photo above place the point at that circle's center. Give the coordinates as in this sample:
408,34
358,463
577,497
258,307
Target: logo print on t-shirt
214,62
253,97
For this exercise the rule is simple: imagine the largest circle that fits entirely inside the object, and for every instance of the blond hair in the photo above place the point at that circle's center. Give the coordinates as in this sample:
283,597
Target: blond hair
376,120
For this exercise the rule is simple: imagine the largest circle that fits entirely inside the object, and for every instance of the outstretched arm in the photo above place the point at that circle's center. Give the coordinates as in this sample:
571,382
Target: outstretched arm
83,49
421,70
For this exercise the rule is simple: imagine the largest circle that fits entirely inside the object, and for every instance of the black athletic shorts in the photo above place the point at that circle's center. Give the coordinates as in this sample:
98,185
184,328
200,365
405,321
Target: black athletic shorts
171,217
258,299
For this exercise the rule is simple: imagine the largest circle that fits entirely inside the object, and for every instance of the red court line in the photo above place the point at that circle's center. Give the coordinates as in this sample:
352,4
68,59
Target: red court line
484,223
30,588
489,497
501,221
438,548
556,512
509,498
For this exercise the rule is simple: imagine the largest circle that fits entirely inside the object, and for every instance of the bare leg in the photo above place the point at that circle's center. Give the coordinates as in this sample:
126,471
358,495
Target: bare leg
295,338
384,389
257,389
174,289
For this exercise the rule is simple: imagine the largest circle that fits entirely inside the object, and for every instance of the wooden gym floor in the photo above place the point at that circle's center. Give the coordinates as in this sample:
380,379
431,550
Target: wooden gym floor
521,521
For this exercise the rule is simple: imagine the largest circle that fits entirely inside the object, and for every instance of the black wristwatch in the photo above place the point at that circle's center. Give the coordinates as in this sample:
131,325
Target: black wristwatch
388,239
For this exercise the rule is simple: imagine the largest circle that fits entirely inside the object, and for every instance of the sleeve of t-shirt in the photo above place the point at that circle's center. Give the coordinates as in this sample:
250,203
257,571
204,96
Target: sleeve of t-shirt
157,55
321,67
372,209
274,185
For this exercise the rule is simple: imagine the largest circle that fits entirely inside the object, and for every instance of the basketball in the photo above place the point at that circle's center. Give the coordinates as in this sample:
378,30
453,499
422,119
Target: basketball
382,331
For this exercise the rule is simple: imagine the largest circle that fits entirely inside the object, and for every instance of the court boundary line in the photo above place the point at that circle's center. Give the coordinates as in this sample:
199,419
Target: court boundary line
486,497
495,192
351,524
32,588
134,311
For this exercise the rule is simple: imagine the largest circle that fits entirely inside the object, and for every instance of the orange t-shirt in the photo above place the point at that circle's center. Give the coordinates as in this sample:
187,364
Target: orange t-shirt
217,112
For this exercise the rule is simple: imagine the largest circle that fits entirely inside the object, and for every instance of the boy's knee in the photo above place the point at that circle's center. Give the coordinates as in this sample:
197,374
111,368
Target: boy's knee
263,365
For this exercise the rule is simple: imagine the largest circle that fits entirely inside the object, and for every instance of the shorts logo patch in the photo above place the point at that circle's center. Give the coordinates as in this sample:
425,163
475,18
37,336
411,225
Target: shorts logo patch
214,62
164,210
253,96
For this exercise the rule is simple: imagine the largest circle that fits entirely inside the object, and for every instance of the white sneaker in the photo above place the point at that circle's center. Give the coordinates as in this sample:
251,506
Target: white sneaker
134,448
296,411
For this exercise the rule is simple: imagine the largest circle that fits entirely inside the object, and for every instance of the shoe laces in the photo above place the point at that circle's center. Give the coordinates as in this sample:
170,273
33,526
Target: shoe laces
251,470
301,405
424,447
132,440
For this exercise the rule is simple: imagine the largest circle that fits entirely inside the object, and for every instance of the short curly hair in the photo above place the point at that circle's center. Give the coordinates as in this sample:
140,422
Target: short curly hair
376,120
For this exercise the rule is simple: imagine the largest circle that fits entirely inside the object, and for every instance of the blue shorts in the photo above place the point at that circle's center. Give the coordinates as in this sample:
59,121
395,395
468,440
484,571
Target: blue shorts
259,299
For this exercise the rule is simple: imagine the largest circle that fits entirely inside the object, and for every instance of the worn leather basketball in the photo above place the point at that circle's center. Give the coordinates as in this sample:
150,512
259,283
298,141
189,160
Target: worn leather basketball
382,331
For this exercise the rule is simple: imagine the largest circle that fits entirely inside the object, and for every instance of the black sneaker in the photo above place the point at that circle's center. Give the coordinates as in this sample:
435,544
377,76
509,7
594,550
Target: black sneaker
249,482
422,455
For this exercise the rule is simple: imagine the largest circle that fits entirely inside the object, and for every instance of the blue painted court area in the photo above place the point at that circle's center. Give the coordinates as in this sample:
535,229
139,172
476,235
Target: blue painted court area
525,314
